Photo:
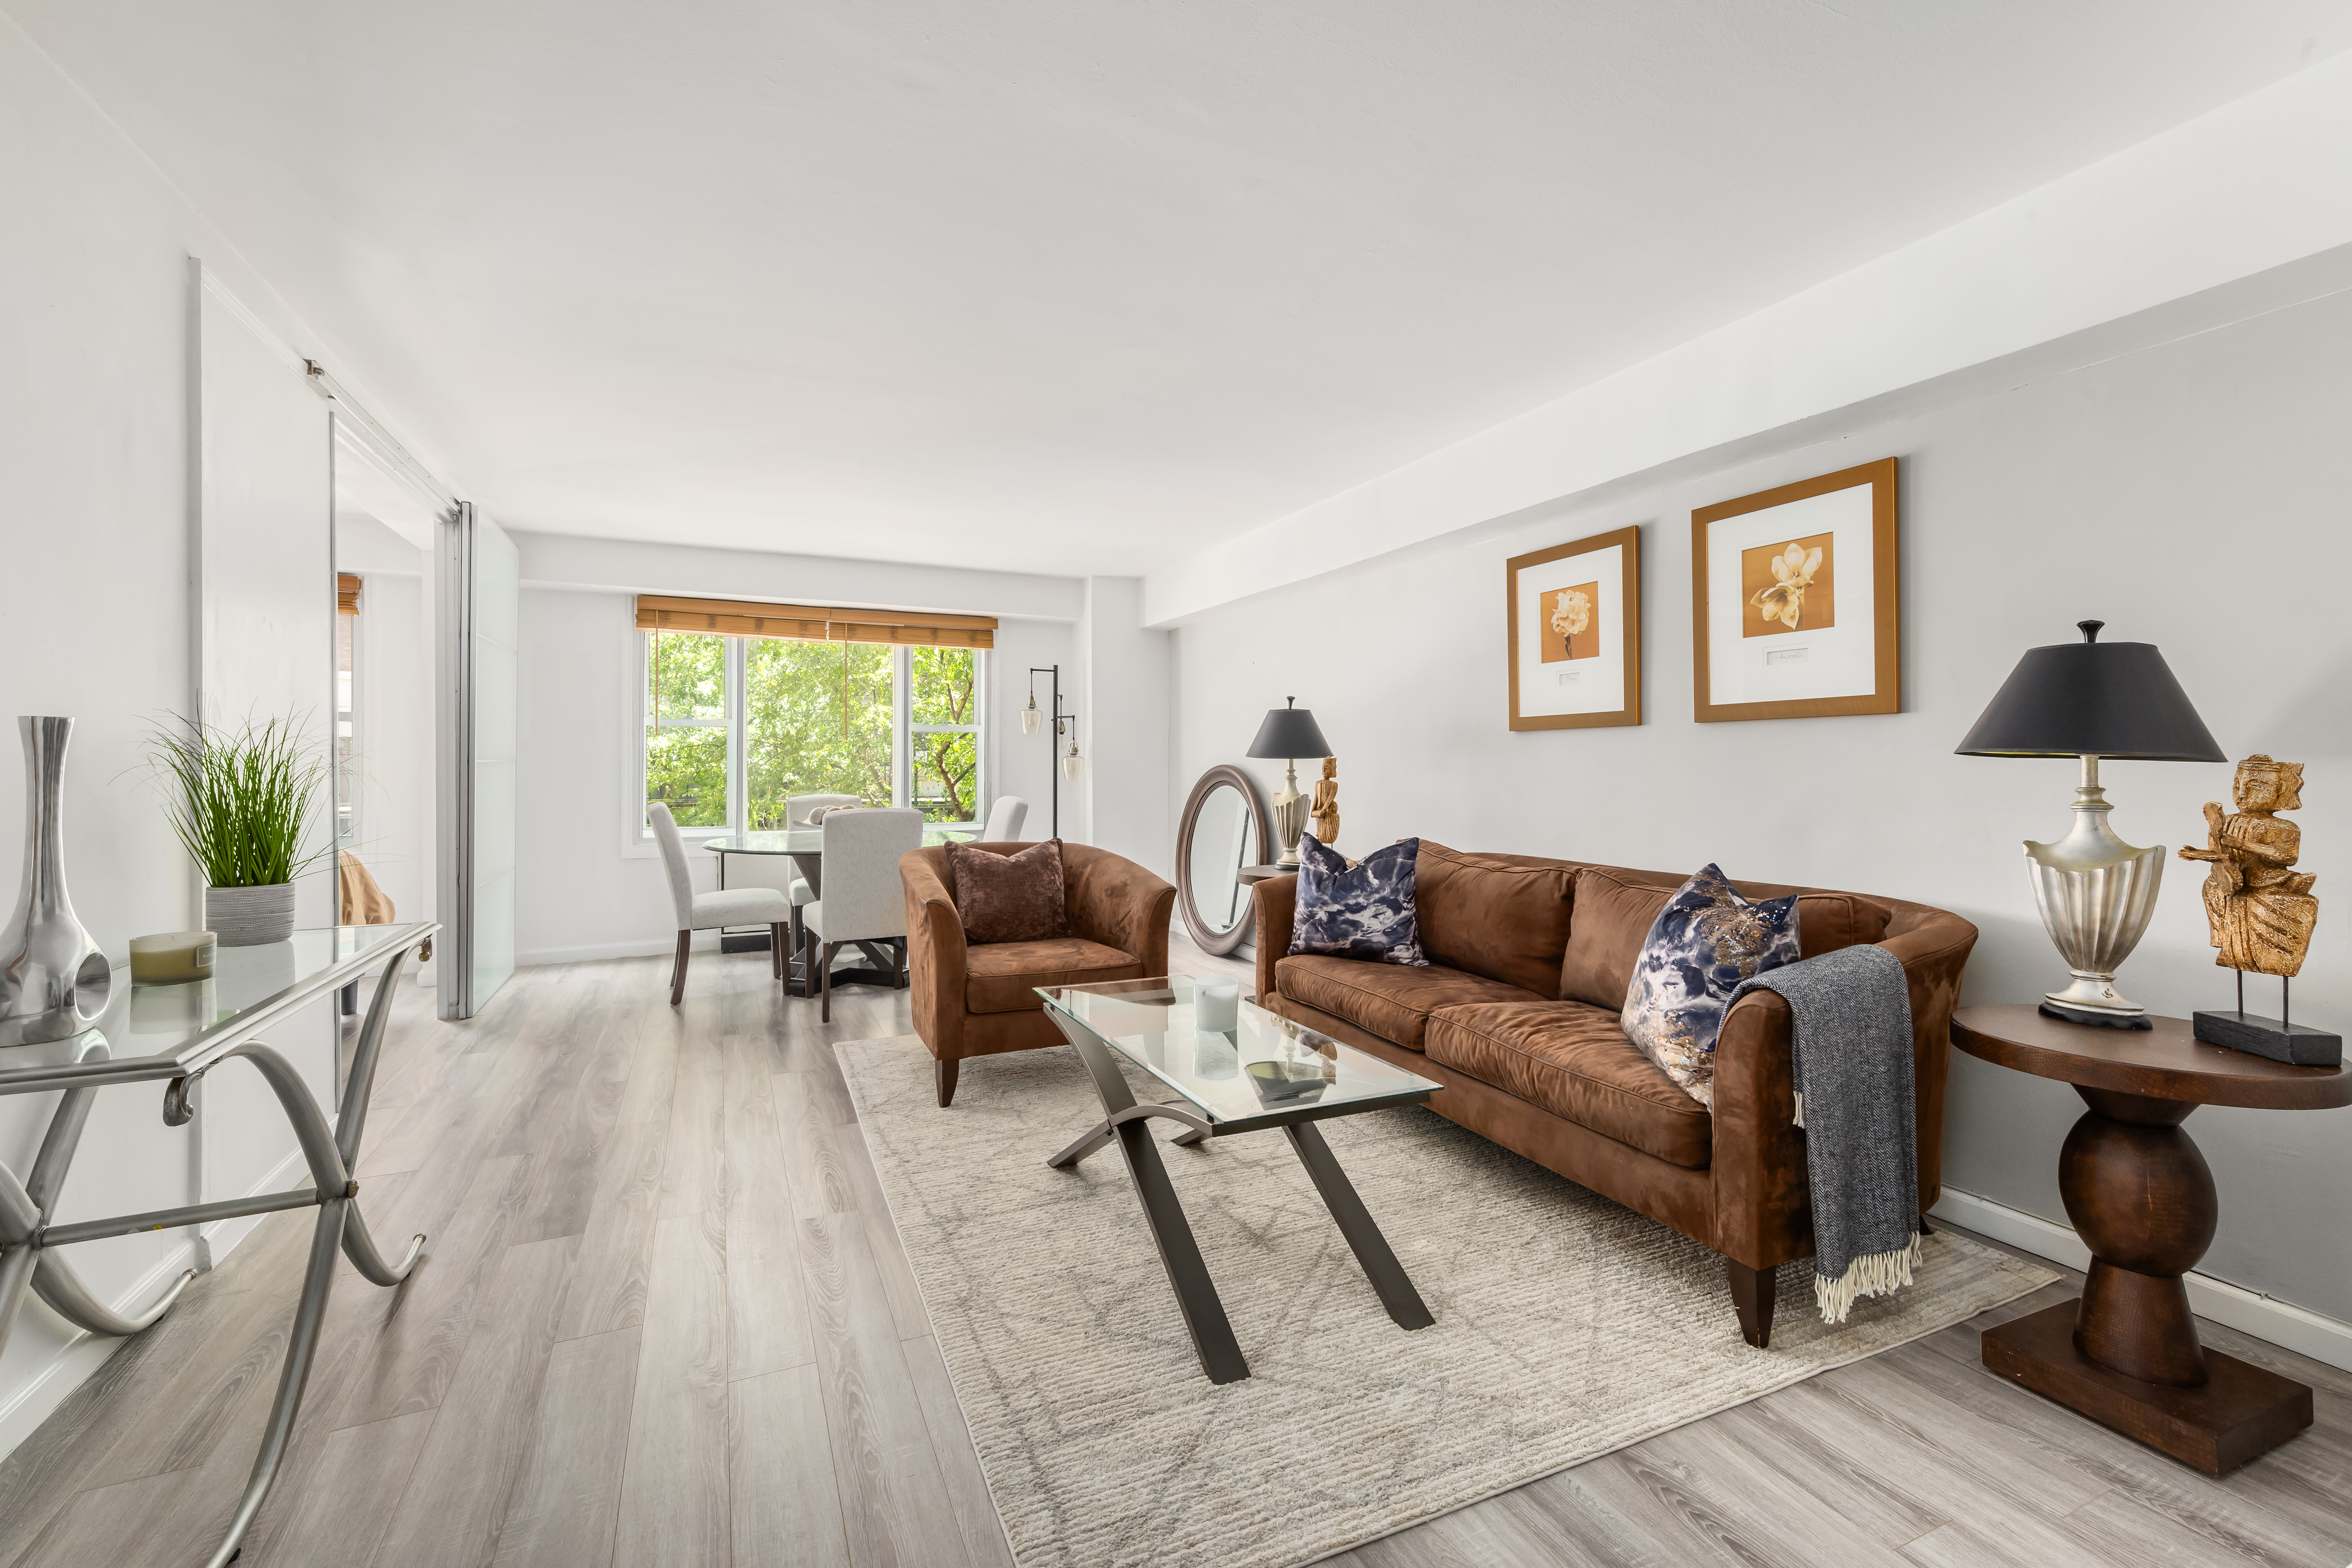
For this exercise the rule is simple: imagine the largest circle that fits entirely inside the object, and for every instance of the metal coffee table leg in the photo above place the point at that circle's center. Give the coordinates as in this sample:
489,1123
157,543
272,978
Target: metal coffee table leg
1180,1255
1355,1222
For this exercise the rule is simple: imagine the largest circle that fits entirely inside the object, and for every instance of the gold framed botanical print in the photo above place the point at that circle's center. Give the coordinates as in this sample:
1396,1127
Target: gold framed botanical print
1575,618
1793,612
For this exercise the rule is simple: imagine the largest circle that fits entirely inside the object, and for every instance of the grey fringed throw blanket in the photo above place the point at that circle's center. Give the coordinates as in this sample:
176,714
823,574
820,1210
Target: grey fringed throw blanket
1852,1036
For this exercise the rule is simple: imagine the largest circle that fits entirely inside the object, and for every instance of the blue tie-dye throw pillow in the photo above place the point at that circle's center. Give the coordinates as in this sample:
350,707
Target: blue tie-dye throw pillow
1702,945
1362,911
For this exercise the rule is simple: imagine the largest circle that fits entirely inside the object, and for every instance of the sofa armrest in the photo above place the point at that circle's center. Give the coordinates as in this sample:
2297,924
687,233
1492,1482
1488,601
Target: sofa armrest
1113,900
1763,1213
935,957
1276,899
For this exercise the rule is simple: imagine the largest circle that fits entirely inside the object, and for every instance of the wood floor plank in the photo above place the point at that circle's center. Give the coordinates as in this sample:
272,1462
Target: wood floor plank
568,1494
673,1507
820,1181
456,1494
433,1310
893,1497
347,1497
194,1410
565,1143
967,1487
44,1472
767,1315
614,1266
783,1504
694,1170
898,1286
115,1525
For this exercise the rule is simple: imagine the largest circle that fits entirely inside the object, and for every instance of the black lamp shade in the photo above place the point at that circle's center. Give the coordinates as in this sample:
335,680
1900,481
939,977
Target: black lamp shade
2093,699
1289,733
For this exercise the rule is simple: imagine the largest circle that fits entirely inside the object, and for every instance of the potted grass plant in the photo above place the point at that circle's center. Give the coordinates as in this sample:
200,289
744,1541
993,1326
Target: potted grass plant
245,803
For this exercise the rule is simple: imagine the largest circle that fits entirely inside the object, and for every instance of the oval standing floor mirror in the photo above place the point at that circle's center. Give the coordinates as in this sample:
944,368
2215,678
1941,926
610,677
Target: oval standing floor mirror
1223,830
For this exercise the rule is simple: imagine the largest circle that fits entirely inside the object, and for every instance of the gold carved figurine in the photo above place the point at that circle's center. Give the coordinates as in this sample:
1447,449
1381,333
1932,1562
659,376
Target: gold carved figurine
1326,811
2262,912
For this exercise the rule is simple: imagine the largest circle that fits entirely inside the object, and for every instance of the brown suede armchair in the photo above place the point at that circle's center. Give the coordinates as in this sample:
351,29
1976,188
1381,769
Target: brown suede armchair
978,1000
1517,1017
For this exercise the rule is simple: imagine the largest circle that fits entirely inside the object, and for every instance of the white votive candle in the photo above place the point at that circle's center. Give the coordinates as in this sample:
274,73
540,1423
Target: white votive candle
1216,1005
172,957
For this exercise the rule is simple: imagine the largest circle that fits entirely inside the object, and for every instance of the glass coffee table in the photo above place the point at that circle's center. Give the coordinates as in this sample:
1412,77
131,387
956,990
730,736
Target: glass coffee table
1265,1072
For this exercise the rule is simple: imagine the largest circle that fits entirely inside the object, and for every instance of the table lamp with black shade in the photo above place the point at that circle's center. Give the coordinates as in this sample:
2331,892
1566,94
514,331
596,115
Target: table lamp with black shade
1289,733
2092,700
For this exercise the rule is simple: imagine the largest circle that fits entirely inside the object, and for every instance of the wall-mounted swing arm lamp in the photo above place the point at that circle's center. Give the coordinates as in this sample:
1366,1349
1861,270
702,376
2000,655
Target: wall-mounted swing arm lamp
1033,719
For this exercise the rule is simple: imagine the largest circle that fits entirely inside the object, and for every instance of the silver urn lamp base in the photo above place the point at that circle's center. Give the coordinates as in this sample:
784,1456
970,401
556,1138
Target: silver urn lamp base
2096,894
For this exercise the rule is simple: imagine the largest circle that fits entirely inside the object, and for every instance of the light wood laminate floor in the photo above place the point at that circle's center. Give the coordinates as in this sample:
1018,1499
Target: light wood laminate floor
663,1318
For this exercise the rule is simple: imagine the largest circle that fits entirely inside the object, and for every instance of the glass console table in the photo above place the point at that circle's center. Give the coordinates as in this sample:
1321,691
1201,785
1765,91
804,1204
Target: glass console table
174,1035
1266,1071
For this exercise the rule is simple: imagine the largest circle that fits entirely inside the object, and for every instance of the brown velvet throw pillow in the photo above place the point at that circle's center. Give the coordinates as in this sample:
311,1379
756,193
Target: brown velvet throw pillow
1009,898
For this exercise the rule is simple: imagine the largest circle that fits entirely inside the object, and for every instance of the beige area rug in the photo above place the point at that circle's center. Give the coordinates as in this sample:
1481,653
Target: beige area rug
1567,1326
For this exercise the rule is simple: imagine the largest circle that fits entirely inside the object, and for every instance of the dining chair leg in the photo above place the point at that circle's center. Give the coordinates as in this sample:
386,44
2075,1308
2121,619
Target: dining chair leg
824,1012
678,970
800,950
776,950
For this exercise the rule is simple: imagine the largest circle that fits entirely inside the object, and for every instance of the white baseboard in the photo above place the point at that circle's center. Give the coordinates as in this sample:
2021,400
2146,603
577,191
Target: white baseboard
22,1412
2265,1317
662,948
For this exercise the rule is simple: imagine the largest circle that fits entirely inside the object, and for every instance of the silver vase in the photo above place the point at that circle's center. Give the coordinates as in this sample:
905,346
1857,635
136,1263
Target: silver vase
53,979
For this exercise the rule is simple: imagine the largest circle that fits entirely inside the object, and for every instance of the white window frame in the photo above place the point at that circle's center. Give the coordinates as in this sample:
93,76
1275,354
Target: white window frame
637,838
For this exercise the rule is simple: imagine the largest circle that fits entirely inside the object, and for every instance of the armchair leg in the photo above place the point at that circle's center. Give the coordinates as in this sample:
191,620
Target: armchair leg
1753,1295
944,1072
678,968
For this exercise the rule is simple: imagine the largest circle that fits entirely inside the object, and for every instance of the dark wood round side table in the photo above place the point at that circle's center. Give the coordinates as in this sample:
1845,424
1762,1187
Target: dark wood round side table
2126,1353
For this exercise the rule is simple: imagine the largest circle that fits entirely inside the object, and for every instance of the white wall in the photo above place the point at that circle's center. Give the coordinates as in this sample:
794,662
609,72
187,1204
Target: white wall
582,890
1124,736
2190,495
95,331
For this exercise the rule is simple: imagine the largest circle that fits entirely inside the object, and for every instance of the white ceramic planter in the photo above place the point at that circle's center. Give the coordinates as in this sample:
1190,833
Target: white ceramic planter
249,916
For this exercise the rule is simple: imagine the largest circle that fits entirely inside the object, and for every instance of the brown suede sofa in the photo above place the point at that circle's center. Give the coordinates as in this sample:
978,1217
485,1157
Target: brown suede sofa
976,999
1517,1017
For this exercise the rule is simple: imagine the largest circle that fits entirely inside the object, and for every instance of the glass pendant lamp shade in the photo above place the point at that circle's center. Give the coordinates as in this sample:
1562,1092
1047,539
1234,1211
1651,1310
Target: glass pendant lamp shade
1030,717
1072,764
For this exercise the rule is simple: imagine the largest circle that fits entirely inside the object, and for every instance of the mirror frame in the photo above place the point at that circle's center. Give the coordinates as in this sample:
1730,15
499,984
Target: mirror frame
1223,776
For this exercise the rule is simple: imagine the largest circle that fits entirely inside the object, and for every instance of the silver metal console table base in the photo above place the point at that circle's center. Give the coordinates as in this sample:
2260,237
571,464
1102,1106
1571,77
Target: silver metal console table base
28,1240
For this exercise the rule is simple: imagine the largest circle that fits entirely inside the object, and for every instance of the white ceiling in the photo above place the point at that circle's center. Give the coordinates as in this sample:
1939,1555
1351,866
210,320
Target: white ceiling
1078,285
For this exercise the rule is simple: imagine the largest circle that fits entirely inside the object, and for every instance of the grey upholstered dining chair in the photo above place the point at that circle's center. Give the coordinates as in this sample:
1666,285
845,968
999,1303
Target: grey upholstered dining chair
862,900
1004,819
701,911
803,891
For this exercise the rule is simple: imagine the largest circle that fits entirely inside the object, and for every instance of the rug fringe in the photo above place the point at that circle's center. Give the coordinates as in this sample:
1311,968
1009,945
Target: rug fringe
1879,1274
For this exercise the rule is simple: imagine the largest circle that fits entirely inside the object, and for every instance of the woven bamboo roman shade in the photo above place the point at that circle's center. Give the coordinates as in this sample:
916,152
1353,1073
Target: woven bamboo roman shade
812,622
347,593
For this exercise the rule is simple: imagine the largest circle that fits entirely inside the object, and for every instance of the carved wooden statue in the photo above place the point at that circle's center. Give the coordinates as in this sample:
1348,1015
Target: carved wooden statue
2262,912
1326,811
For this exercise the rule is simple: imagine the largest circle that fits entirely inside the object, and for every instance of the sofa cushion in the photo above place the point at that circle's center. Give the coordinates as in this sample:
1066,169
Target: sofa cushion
1362,911
1008,898
997,975
1502,916
1571,1059
1616,908
1391,1001
1707,943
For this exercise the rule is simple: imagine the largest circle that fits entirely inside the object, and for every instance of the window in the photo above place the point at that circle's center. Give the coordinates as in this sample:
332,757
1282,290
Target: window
735,726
